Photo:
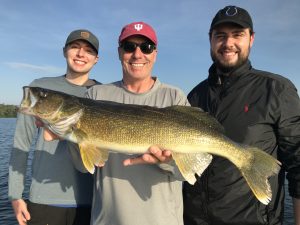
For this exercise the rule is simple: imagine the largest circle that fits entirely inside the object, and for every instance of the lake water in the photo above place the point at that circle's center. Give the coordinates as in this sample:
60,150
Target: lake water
7,127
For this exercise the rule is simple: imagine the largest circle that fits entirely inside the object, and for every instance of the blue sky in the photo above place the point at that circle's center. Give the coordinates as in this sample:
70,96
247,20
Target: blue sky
33,33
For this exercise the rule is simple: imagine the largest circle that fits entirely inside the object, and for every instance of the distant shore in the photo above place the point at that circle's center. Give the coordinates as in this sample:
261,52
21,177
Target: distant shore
8,111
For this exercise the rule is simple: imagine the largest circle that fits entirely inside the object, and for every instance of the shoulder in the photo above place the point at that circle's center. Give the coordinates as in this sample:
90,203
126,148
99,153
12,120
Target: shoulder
96,82
45,81
198,90
275,81
99,90
105,87
61,84
170,89
203,84
171,94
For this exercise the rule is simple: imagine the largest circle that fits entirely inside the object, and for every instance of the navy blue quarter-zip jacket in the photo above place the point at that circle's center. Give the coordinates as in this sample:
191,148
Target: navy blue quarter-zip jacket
256,108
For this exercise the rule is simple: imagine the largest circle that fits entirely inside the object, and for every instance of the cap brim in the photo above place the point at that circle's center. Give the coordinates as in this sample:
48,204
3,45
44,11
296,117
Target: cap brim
131,35
81,39
240,23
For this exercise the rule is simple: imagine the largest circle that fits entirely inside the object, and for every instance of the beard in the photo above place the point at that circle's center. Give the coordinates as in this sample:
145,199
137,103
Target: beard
226,66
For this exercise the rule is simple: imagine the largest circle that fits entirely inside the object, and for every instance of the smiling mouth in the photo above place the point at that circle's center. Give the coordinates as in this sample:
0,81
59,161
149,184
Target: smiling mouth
137,64
228,54
79,62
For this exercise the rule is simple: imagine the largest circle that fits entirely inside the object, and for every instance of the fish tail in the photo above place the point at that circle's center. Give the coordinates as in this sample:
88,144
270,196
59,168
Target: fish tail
191,164
256,172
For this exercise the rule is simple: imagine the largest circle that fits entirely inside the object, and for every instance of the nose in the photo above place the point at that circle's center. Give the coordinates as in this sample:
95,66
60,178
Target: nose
228,41
137,53
80,52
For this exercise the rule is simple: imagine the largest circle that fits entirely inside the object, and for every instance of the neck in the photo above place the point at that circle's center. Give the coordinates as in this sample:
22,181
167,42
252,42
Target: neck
78,79
138,86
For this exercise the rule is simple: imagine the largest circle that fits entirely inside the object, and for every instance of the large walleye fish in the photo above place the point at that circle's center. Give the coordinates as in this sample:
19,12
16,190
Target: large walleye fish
192,135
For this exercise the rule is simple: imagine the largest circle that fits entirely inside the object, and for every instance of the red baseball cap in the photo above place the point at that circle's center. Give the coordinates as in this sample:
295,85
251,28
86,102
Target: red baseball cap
138,28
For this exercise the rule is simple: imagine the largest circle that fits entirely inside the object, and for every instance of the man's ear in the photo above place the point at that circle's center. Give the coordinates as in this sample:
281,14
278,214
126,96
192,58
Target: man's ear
97,59
120,53
251,39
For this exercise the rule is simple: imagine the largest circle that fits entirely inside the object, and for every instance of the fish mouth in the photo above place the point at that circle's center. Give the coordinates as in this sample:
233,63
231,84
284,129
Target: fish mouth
28,101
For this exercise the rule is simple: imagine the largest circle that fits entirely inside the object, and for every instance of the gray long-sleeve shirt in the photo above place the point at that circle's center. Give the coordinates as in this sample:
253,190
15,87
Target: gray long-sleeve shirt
55,181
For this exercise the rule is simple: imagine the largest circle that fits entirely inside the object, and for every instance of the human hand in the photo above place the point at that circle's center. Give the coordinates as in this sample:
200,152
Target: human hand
21,212
153,156
48,135
100,165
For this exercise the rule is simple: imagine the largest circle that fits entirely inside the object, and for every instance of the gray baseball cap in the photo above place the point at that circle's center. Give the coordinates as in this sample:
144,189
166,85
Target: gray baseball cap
85,35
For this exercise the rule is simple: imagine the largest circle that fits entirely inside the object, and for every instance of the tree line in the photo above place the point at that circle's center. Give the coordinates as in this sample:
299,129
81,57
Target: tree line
8,111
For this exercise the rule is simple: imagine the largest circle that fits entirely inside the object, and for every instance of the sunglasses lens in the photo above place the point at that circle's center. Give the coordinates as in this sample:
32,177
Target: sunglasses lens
145,47
129,47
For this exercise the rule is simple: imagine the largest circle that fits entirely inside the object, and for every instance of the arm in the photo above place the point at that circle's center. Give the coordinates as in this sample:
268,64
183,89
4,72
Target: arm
24,134
72,148
289,143
47,134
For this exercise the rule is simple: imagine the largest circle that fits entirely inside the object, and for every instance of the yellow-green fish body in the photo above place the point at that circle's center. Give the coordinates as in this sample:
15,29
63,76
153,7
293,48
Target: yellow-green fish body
192,135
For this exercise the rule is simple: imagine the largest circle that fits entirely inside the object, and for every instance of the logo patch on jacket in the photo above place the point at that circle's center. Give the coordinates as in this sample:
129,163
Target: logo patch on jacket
246,108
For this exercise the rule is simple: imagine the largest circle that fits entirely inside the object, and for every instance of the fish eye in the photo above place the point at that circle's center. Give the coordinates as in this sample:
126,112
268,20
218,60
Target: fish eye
43,94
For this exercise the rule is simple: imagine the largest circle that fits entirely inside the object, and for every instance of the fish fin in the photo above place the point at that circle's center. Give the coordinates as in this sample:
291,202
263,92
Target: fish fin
64,126
189,164
77,135
256,172
92,156
201,116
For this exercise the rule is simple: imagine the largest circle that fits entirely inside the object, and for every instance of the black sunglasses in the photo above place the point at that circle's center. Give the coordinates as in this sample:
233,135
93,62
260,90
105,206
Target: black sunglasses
145,47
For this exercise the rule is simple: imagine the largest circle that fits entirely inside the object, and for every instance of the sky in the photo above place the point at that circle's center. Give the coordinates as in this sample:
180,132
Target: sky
33,33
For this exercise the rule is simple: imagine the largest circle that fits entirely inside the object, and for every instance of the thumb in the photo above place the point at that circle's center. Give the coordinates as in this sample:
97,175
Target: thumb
26,214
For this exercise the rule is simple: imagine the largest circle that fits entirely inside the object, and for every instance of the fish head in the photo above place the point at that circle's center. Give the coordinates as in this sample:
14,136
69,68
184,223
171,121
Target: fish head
40,102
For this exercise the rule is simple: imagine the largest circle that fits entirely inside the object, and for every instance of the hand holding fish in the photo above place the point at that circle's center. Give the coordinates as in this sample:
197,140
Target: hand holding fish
154,155
48,135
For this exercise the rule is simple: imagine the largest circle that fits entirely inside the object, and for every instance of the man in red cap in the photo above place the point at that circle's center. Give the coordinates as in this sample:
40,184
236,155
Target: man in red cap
150,190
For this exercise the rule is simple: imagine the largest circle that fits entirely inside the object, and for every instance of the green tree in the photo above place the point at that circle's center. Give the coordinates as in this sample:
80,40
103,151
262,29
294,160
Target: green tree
8,111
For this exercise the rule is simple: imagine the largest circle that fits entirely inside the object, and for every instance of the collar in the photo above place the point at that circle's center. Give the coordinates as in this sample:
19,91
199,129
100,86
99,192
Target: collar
217,78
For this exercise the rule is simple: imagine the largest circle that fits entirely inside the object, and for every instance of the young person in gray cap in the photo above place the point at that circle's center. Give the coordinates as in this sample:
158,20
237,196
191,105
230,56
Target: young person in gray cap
145,190
59,194
256,108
